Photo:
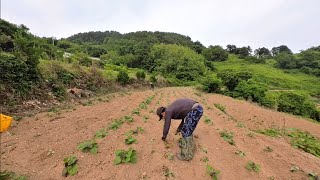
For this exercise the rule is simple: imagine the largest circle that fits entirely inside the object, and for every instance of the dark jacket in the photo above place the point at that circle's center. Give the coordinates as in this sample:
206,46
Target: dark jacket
177,110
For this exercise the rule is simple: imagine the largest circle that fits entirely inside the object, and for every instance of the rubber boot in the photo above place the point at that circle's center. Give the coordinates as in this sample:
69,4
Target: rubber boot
187,149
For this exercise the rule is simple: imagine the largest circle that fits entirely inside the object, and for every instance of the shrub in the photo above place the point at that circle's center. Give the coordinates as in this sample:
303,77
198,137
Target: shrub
123,77
232,78
297,104
251,90
211,85
141,74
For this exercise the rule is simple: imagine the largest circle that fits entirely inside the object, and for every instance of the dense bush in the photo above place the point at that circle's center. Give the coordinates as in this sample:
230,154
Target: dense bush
123,77
251,90
215,53
297,104
232,78
211,84
141,74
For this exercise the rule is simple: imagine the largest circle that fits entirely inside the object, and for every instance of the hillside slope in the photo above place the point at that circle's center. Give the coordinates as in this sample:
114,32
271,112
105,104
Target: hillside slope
36,146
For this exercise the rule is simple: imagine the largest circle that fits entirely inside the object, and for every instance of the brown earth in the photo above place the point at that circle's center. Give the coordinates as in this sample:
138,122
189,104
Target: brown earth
36,146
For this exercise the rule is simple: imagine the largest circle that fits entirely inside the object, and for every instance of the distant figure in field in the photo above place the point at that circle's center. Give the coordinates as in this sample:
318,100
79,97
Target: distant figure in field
189,112
151,86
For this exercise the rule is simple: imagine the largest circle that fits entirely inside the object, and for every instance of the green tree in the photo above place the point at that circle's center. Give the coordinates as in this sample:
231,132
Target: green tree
215,53
280,49
286,61
262,52
177,61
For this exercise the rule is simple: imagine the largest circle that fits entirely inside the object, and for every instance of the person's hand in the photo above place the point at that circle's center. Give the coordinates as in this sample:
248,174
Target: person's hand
163,138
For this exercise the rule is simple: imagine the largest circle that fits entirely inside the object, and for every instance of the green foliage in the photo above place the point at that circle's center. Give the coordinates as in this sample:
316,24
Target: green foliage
213,173
136,111
297,104
177,61
123,77
145,118
227,136
215,53
273,132
128,119
280,49
130,140
262,53
123,156
7,175
89,146
220,107
71,167
251,90
305,141
251,166
286,61
231,78
143,105
141,74
166,172
211,84
208,121
101,133
115,124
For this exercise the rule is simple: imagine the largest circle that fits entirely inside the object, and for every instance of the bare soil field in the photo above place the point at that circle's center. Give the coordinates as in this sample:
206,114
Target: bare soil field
36,146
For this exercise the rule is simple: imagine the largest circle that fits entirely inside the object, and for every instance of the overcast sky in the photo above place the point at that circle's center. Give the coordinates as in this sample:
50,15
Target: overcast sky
256,23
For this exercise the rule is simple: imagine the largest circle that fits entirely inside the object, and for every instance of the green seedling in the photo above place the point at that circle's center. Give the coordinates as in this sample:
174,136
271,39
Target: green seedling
313,176
250,134
130,140
204,159
166,172
240,125
6,175
268,149
227,136
151,111
240,153
170,156
70,166
251,166
220,107
213,173
294,168
136,111
89,146
101,133
208,121
128,119
123,156
143,105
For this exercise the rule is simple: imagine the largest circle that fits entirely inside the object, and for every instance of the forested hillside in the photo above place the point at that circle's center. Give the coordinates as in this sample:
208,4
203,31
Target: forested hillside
46,69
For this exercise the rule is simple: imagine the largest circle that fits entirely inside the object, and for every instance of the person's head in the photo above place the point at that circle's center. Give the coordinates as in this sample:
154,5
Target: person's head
161,112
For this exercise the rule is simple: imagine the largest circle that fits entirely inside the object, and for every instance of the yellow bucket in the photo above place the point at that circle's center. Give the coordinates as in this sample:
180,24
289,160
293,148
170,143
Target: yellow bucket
5,122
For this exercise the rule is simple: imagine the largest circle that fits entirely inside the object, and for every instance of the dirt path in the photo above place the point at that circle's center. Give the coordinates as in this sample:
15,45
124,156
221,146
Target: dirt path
37,145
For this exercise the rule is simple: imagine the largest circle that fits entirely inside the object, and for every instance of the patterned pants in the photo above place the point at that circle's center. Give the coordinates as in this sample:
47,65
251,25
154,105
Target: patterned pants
191,121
